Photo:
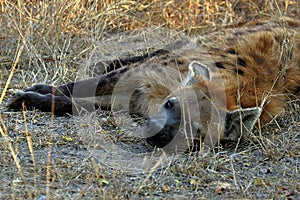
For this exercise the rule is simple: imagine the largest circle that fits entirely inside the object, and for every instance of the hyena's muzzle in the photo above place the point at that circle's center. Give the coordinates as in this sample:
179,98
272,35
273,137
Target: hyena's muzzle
163,126
176,124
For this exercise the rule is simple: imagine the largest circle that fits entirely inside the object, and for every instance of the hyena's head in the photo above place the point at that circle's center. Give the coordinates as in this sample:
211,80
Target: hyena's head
197,112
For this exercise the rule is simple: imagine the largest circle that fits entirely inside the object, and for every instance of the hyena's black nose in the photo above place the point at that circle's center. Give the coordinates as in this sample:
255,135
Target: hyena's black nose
170,103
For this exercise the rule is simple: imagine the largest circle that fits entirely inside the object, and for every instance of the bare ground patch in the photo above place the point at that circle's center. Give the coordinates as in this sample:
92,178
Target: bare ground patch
264,166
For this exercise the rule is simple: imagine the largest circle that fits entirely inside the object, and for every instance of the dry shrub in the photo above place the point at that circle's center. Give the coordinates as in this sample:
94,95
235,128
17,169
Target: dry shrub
78,16
76,25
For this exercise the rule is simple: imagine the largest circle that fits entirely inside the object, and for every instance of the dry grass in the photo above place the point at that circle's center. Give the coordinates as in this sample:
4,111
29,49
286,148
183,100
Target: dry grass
45,157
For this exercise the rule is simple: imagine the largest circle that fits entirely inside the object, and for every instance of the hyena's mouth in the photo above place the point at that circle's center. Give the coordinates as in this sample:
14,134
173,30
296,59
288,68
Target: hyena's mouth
160,140
158,135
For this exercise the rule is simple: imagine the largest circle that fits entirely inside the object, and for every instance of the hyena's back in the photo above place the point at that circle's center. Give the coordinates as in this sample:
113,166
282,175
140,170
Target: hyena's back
259,61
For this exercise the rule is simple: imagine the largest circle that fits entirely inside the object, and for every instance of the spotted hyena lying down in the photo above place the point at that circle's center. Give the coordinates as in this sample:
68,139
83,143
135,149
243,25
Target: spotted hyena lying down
219,88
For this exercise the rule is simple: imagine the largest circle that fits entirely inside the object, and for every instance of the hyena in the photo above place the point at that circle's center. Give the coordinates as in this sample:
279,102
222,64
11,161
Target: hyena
241,77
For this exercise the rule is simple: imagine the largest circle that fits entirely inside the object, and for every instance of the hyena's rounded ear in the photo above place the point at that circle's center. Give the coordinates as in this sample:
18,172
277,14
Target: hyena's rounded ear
240,121
197,72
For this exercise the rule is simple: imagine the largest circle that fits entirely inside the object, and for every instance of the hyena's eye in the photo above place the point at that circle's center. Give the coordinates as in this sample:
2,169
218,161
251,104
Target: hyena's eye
170,103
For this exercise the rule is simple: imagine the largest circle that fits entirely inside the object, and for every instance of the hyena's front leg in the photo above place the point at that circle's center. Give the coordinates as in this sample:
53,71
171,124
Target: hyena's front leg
59,100
68,98
44,102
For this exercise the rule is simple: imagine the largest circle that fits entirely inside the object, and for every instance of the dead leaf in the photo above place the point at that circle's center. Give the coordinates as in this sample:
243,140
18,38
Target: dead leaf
258,182
219,190
166,188
67,138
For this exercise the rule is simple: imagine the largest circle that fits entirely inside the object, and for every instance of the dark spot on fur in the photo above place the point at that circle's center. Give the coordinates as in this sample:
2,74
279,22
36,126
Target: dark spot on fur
147,85
219,65
232,51
179,61
165,57
278,39
260,60
241,62
240,72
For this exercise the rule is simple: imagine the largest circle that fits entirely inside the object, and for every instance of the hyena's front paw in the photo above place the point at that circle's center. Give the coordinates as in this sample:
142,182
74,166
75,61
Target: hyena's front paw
15,102
41,89
31,100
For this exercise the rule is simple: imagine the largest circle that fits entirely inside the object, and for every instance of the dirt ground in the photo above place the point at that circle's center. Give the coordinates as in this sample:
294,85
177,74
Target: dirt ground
92,157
